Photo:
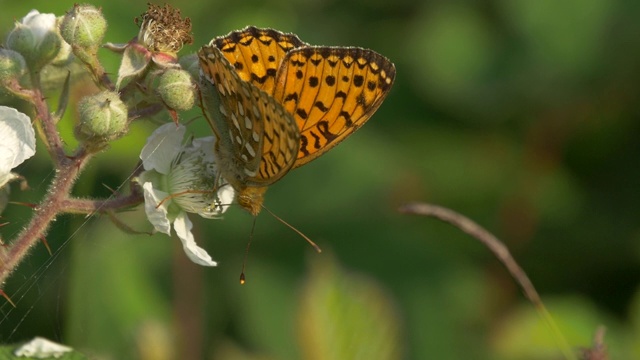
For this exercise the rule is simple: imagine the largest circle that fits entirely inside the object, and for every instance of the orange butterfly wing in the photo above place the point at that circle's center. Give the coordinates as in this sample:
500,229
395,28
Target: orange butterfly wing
276,103
256,54
331,92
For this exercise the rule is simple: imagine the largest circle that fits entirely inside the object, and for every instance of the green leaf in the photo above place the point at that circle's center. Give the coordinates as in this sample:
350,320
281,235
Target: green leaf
64,98
134,61
346,316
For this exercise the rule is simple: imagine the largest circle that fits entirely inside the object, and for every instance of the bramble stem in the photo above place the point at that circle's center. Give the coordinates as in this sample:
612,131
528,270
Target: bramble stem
57,200
66,174
52,137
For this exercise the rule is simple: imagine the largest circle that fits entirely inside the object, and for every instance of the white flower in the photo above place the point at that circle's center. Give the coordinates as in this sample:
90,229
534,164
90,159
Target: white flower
41,348
18,142
180,178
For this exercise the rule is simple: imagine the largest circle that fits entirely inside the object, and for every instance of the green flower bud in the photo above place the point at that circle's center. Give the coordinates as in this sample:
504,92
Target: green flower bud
65,55
12,65
83,26
177,90
191,64
103,118
36,38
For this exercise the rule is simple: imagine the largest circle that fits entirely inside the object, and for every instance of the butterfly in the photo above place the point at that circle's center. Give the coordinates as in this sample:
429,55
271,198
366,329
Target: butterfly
275,103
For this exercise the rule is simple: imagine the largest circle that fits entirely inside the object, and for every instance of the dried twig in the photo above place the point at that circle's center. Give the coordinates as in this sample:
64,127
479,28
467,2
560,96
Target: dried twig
500,251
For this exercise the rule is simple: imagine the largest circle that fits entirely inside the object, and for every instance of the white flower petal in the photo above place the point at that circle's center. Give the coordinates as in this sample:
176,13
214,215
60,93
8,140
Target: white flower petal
17,133
7,155
226,194
18,140
157,215
205,146
40,24
198,255
162,147
42,348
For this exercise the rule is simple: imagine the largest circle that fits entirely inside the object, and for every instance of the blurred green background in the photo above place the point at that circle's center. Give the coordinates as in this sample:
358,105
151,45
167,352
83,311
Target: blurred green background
522,115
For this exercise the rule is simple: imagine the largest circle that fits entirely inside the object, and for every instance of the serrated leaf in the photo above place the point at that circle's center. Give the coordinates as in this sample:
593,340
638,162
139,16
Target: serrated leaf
64,98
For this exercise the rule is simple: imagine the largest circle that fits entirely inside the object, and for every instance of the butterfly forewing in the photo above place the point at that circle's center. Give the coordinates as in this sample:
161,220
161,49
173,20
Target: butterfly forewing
256,54
331,92
257,140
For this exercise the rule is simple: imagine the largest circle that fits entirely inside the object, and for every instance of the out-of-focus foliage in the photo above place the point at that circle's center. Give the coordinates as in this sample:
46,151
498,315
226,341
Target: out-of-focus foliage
523,115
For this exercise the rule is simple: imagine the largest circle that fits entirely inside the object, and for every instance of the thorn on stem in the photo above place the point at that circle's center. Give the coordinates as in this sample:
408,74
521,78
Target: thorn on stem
29,205
4,295
46,244
174,115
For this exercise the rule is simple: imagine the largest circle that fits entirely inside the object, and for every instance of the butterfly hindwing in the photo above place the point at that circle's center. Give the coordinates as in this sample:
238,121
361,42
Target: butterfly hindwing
257,139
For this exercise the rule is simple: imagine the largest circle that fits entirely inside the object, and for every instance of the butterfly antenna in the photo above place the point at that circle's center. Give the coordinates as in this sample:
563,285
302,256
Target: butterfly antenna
246,252
315,246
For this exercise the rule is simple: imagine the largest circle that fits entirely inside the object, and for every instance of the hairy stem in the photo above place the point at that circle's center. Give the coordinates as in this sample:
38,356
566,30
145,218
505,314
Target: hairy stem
66,174
52,137
89,206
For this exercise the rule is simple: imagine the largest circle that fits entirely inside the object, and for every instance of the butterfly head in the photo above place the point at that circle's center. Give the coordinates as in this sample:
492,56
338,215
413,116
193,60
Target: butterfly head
251,199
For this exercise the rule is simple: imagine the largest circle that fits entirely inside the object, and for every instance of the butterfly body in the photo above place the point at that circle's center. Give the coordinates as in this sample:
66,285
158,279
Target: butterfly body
276,103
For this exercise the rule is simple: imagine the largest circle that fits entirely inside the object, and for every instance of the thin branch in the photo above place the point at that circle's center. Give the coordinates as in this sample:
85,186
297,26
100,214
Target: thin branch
89,206
500,251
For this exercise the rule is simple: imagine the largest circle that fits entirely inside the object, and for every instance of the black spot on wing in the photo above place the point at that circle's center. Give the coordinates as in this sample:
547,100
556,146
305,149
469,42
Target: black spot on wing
291,97
358,80
302,113
320,105
323,128
330,80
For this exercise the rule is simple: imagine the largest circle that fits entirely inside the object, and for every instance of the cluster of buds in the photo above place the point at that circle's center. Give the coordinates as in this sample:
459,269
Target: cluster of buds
180,176
153,56
149,64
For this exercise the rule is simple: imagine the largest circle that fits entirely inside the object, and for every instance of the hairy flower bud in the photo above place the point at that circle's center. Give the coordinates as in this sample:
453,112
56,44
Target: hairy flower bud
191,64
177,90
103,118
12,65
83,26
36,38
